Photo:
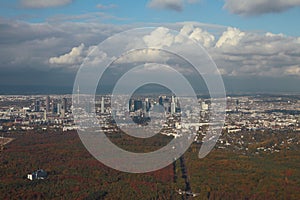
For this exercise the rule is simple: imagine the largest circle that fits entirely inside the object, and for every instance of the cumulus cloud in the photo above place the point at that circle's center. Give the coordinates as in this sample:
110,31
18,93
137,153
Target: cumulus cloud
154,39
44,3
258,7
257,54
237,53
46,47
230,37
201,36
31,45
187,31
75,56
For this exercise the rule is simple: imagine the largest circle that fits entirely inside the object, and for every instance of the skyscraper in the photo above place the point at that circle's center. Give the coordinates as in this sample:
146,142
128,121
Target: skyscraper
138,104
47,104
131,105
102,105
63,107
173,105
45,115
53,107
58,108
37,106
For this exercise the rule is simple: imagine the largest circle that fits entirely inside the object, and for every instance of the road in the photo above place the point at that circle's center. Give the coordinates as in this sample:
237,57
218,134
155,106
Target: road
4,141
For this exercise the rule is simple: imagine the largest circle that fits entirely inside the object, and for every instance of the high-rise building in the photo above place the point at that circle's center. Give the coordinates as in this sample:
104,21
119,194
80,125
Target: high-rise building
102,105
173,105
148,104
45,115
47,104
167,107
138,104
58,108
144,106
37,106
64,104
131,105
53,107
63,109
161,100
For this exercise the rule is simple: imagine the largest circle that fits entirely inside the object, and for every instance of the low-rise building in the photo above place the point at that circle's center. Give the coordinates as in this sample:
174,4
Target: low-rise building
39,174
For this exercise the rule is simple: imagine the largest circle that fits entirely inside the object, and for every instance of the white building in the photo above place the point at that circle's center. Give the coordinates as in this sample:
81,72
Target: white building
39,174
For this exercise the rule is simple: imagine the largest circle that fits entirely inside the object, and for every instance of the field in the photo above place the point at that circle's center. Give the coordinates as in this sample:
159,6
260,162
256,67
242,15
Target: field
75,174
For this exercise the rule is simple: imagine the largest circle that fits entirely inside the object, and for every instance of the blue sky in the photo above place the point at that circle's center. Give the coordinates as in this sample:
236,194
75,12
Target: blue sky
124,12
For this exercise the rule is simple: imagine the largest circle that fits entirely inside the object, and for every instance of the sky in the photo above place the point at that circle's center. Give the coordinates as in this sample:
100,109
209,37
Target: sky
255,44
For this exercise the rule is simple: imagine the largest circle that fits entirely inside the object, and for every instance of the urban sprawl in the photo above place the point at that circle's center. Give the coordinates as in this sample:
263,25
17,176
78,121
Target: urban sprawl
245,117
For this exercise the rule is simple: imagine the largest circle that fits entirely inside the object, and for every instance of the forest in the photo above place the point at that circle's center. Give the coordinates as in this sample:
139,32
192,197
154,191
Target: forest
74,174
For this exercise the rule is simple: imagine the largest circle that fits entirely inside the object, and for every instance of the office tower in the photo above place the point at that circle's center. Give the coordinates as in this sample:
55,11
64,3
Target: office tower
144,106
64,104
177,105
47,104
161,100
102,105
166,106
148,104
45,115
37,106
63,107
138,104
131,105
53,107
58,110
173,105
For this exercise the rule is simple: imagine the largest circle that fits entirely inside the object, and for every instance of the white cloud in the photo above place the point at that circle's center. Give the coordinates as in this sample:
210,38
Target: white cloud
268,34
44,3
154,39
258,55
195,33
104,7
187,31
75,56
258,7
230,37
205,38
79,55
293,70
151,55
153,67
237,53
